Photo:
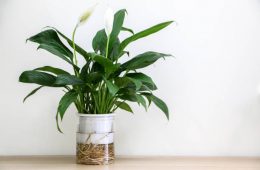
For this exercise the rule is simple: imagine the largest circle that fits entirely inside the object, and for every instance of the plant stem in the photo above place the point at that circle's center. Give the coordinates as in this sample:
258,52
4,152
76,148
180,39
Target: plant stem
108,39
75,61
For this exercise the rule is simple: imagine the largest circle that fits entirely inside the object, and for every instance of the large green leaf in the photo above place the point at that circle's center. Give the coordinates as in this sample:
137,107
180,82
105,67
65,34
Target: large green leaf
117,26
144,33
158,102
138,83
37,77
143,78
49,40
140,99
80,50
114,50
94,77
124,106
64,103
123,82
142,60
53,70
128,96
108,65
64,79
32,92
112,88
99,42
114,42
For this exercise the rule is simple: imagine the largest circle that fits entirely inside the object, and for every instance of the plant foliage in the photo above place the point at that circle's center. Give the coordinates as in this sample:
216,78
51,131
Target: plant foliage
103,84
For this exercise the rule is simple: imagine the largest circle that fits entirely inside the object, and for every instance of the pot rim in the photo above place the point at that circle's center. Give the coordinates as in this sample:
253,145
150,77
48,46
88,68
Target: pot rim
96,115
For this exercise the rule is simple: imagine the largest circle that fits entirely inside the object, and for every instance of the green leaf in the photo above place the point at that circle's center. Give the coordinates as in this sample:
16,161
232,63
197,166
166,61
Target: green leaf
124,106
159,103
128,96
137,83
64,79
32,92
112,88
99,42
64,103
114,50
143,78
49,40
142,60
37,77
148,87
94,77
117,25
53,70
80,50
56,52
148,97
144,33
140,99
123,82
127,29
108,65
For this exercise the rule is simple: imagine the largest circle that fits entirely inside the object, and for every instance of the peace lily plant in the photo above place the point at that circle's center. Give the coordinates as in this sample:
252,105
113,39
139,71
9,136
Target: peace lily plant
104,83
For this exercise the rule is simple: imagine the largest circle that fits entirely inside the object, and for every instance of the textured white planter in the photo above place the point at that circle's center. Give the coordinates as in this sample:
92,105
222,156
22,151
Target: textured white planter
95,139
96,123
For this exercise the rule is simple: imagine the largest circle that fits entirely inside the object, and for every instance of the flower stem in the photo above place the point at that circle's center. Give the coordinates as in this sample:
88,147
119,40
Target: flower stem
75,61
108,39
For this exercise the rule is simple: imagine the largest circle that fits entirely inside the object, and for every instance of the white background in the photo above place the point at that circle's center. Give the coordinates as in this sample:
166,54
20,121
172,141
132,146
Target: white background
210,86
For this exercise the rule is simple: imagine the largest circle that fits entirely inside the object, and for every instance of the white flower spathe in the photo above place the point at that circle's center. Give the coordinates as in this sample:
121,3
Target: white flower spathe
109,20
85,16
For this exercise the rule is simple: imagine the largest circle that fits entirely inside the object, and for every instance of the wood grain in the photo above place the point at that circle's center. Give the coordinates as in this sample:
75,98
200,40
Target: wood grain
131,163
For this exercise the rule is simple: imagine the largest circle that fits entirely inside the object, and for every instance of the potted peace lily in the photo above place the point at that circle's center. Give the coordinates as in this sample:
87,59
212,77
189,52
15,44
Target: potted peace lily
101,86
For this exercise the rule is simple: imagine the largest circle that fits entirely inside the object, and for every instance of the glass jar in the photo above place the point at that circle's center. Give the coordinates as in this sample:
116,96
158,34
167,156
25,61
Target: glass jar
95,139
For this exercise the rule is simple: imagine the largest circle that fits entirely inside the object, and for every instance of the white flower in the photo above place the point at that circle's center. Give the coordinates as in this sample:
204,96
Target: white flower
85,16
109,20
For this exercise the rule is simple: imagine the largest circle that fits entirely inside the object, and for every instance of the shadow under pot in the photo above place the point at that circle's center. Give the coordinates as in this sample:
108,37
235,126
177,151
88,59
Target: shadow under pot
95,139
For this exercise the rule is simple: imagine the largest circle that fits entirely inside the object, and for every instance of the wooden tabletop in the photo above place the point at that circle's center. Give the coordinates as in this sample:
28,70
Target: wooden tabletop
131,163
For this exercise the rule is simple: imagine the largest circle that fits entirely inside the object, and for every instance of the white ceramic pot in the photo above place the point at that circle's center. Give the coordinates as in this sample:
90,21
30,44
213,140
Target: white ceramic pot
96,123
95,139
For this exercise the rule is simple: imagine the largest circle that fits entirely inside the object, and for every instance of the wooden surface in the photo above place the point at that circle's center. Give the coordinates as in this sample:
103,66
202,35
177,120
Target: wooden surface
131,163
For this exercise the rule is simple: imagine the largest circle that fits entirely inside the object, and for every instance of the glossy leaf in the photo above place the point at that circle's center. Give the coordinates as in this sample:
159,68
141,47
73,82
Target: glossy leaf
49,40
143,78
159,103
93,77
56,71
143,60
37,77
140,99
144,33
137,82
112,88
99,42
124,106
80,50
128,96
64,103
127,29
108,65
68,80
32,92
117,25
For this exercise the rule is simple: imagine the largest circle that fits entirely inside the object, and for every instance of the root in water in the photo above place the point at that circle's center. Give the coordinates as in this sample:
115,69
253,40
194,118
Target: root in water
95,154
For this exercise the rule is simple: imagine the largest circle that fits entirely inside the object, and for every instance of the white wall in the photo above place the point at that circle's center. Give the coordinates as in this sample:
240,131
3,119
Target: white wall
210,87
